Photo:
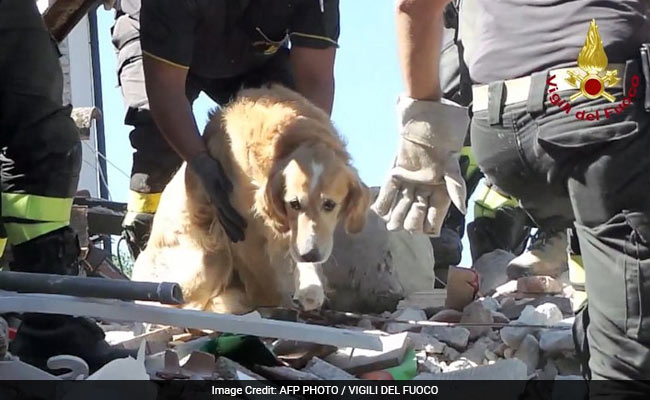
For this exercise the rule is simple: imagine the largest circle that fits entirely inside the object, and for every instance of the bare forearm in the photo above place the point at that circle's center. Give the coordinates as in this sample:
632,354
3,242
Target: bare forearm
173,114
313,72
419,37
319,93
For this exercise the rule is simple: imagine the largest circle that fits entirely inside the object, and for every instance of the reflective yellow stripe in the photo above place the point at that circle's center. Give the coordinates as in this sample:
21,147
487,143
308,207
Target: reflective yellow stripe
19,233
37,208
3,244
489,200
473,166
143,202
173,64
310,36
576,270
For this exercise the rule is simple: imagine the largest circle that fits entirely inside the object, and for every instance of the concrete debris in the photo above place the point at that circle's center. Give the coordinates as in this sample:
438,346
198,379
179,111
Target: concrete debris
556,342
512,308
426,300
500,318
551,312
489,303
491,268
456,337
500,349
408,314
508,353
451,354
490,356
507,335
371,271
286,373
325,370
506,288
428,343
501,370
448,315
546,314
429,364
357,361
476,313
230,370
461,364
539,285
476,351
528,352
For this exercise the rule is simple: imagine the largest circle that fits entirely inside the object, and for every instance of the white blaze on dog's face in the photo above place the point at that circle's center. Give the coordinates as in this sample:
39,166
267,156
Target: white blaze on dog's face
319,188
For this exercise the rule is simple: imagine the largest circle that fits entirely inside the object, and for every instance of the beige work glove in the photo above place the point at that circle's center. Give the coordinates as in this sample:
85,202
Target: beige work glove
426,175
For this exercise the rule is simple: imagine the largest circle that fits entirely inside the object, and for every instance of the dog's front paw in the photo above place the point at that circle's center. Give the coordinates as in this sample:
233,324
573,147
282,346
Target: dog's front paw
310,298
309,287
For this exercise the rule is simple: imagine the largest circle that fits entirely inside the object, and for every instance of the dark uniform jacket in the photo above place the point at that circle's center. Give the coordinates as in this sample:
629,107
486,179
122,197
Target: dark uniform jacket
224,38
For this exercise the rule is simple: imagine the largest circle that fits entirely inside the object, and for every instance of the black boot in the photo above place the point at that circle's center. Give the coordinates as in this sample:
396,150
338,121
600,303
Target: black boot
137,229
41,336
508,230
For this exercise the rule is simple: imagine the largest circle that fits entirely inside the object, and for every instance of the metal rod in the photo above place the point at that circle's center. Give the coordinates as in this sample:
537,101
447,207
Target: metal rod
23,282
372,318
115,310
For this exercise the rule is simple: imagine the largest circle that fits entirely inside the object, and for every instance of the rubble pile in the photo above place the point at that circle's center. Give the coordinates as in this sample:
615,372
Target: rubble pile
482,326
486,344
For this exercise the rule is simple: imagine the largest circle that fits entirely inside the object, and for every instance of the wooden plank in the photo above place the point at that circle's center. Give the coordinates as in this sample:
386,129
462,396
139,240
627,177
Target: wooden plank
116,310
62,16
356,361
160,335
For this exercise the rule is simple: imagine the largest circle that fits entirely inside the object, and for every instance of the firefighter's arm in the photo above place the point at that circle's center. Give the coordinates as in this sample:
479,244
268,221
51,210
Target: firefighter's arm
173,115
313,71
425,177
169,106
314,32
419,40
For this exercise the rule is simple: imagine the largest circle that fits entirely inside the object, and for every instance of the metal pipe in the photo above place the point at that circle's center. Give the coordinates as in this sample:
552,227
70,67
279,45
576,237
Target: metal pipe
24,282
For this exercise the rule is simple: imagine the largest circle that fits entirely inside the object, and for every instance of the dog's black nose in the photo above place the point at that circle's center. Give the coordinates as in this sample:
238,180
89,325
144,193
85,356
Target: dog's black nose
312,256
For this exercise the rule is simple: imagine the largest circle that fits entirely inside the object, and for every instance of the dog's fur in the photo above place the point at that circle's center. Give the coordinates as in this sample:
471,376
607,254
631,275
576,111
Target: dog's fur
289,167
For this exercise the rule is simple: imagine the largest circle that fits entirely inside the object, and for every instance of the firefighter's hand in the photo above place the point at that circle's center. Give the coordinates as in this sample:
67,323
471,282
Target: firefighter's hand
217,186
425,177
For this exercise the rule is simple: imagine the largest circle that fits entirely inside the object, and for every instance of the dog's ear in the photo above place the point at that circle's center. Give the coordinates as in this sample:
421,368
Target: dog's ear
357,204
273,201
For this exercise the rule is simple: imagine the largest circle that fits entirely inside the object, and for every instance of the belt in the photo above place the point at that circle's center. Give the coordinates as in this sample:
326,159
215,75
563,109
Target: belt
517,90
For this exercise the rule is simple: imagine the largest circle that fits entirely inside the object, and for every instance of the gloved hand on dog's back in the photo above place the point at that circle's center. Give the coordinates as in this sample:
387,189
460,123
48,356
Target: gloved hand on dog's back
218,187
425,178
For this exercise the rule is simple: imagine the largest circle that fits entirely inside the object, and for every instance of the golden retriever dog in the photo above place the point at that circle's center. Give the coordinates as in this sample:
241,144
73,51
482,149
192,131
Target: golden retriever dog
293,182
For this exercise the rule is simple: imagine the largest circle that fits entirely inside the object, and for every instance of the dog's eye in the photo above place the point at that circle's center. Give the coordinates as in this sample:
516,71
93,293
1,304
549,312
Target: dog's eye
329,205
295,204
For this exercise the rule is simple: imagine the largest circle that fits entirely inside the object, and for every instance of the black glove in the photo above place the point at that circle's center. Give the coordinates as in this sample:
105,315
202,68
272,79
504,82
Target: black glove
218,186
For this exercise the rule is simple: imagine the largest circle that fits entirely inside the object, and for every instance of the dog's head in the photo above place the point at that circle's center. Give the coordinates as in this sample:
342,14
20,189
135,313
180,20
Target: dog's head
308,194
